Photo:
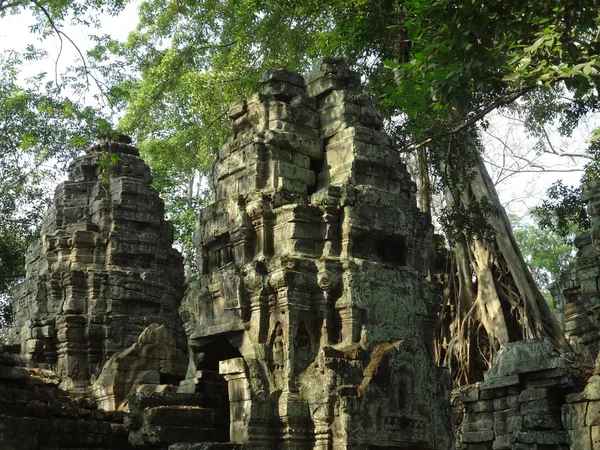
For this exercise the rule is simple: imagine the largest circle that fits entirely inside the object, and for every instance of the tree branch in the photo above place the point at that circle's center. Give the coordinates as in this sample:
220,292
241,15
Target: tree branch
552,151
503,101
60,34
183,58
5,6
540,169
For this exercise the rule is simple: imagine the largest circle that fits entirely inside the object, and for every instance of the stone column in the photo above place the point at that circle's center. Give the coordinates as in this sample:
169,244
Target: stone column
240,398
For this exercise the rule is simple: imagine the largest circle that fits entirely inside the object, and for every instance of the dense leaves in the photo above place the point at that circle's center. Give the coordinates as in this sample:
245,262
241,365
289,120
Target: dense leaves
563,212
52,13
545,251
40,131
468,58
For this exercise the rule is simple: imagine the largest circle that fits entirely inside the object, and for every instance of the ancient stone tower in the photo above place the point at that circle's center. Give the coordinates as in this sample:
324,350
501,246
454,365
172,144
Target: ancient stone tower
312,301
102,271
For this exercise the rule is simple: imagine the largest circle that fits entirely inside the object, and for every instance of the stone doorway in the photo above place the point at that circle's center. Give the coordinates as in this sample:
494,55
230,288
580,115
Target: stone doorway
213,385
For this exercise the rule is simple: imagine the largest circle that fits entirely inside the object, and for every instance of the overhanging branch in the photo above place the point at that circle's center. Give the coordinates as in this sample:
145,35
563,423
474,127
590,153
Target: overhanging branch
502,101
6,6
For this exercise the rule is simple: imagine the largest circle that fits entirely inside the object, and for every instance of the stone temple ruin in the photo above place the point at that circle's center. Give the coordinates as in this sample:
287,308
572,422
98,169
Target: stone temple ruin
312,261
310,324
103,270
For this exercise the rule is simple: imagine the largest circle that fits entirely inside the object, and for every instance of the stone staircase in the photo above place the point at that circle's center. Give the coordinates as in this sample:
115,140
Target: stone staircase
177,421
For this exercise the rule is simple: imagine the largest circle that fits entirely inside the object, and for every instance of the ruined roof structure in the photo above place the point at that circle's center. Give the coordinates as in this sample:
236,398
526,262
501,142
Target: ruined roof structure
312,300
102,271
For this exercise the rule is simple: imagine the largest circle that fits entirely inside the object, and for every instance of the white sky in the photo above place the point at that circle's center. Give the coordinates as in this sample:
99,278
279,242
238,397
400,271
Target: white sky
518,192
522,191
15,34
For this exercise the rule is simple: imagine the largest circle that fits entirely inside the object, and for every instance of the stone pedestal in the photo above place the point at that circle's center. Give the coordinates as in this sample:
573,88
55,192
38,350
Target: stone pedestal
518,405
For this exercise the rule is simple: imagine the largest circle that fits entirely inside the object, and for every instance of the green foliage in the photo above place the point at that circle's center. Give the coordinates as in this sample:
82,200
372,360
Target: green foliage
188,61
57,11
469,58
107,163
470,220
563,213
592,170
40,132
545,251
181,206
13,245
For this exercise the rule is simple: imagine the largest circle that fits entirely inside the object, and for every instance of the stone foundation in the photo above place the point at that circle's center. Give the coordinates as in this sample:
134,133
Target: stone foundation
532,399
35,414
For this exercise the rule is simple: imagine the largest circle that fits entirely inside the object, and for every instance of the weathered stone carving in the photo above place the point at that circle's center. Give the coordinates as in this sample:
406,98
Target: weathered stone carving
312,301
102,271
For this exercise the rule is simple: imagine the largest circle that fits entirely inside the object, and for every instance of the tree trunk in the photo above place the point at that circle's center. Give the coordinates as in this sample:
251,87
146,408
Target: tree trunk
539,320
496,300
424,182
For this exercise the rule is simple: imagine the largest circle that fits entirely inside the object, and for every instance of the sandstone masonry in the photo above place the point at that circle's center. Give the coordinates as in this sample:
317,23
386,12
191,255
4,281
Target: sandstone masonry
35,414
312,301
102,271
310,325
577,292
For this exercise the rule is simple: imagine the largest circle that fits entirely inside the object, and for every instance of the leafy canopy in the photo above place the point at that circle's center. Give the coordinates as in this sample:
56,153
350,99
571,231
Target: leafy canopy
546,252
469,58
40,132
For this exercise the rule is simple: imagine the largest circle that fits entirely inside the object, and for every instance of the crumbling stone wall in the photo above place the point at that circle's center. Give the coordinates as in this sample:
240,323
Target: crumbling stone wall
518,405
102,271
312,300
532,398
152,364
581,414
577,292
36,415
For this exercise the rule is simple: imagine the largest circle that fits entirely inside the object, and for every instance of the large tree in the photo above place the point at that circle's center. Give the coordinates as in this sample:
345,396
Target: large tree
467,59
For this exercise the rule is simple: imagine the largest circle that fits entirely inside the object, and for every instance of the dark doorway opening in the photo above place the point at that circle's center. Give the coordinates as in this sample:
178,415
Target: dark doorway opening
213,385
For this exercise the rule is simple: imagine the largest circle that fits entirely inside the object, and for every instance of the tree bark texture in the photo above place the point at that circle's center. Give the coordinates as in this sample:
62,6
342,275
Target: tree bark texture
492,299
